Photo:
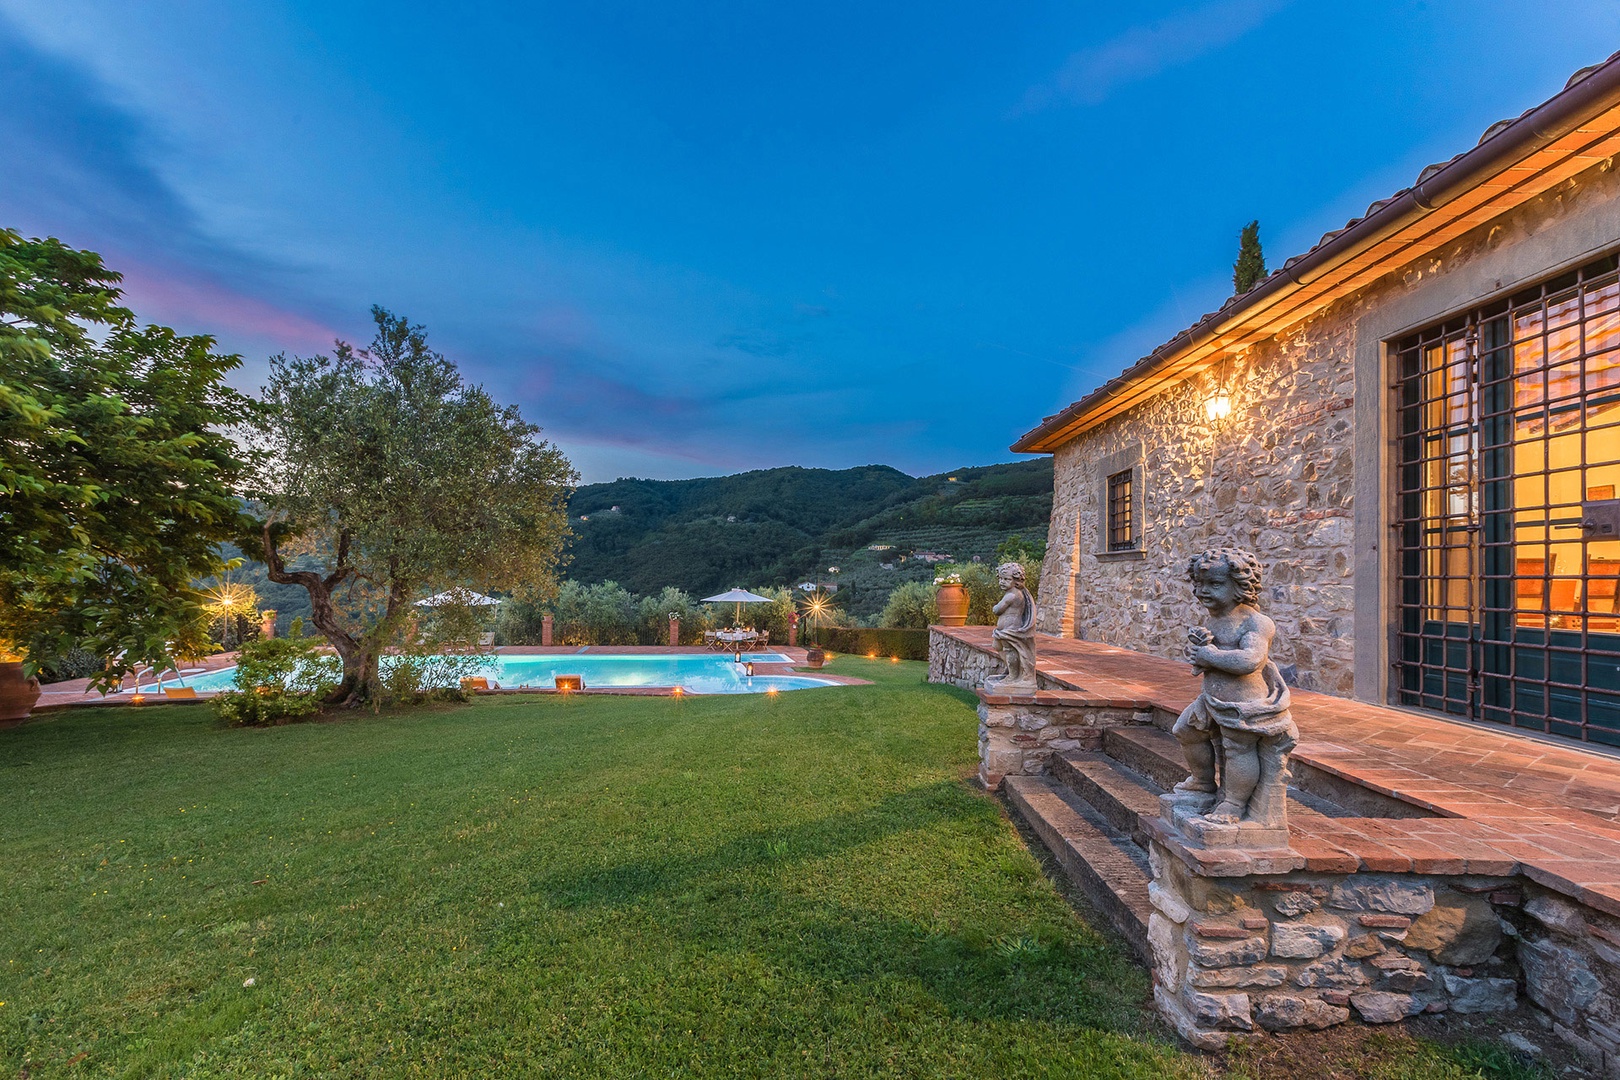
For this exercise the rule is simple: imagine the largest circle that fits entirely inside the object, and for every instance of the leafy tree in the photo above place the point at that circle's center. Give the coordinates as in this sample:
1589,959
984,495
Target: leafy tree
394,478
1250,268
913,605
116,480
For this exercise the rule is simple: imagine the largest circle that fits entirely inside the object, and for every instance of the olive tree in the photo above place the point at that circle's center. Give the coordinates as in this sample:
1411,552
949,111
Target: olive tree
385,477
118,479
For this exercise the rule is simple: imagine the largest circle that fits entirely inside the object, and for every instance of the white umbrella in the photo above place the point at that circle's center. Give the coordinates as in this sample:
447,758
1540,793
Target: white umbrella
739,597
461,597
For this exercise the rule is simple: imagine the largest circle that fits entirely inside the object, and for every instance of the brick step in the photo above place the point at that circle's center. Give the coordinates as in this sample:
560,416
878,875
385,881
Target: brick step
1152,761
1109,868
1118,793
1150,753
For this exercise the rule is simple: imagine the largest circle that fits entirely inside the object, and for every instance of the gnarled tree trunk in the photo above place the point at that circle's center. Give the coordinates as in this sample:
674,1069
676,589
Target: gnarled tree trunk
358,655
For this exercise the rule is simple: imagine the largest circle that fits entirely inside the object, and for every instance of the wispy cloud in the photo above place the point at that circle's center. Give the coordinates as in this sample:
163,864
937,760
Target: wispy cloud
1091,75
80,166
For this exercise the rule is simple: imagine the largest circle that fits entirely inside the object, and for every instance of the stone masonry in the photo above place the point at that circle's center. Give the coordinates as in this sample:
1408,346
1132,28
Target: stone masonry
1276,477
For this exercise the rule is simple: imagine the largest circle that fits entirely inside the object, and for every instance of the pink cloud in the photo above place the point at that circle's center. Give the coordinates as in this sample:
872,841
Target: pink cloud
204,306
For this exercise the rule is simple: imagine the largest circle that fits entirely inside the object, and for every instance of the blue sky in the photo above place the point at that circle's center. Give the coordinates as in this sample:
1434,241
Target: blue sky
690,239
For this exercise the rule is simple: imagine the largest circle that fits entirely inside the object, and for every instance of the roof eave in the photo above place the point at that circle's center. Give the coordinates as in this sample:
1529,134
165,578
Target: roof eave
1598,90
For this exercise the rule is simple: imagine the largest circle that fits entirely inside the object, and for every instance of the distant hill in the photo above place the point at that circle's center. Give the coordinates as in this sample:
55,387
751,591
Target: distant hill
782,526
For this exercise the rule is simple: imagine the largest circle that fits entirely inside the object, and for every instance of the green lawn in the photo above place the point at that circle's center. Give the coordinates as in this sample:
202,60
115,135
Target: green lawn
800,885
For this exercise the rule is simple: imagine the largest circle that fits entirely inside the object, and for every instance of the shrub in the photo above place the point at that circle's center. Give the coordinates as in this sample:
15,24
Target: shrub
912,605
412,678
602,614
907,644
654,611
74,664
279,680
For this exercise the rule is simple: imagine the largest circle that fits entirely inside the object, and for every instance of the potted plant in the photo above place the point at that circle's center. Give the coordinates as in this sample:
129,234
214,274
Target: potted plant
17,691
951,598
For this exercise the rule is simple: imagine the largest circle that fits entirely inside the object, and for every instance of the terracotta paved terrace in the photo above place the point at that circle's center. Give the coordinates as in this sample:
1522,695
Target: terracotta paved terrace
1501,803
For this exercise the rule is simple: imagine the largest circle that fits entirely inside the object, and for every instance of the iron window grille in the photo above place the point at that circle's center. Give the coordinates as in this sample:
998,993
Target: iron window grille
1508,433
1121,523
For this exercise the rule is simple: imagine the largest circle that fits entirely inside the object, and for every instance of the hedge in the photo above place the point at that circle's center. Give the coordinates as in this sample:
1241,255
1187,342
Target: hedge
884,641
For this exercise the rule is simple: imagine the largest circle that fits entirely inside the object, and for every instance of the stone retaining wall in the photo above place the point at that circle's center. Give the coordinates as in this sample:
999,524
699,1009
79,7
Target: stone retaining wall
1234,957
1019,735
958,663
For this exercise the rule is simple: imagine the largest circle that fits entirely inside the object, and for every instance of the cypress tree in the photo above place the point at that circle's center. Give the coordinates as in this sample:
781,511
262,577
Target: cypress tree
1250,268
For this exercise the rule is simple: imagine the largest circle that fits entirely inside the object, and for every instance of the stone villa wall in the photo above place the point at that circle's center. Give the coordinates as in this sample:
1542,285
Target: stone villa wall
1276,477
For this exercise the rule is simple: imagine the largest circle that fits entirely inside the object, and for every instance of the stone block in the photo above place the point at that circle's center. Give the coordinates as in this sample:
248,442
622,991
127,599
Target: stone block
1556,978
1171,1009
1407,981
1381,1007
1306,940
1161,937
1220,954
1227,1011
1338,973
1169,904
1364,946
1375,893
1281,1012
1220,929
1294,903
1556,913
1228,978
1457,930
1480,995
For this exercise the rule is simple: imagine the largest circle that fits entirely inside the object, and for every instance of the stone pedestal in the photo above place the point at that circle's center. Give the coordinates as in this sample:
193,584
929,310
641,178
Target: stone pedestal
674,631
545,629
1184,811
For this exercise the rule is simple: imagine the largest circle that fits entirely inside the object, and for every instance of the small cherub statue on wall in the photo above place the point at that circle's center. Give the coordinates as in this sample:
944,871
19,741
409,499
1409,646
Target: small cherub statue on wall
1014,634
1240,723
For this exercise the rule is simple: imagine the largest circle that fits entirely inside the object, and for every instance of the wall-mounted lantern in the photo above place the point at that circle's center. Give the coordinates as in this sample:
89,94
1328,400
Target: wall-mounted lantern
1218,406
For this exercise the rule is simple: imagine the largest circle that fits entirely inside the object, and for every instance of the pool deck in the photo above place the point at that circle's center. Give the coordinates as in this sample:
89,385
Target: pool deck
75,693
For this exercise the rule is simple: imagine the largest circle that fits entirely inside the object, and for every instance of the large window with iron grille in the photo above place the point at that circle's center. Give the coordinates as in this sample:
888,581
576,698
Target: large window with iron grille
1506,517
1121,520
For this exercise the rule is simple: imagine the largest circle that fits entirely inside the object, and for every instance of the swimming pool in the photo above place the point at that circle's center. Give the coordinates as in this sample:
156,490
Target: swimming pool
697,673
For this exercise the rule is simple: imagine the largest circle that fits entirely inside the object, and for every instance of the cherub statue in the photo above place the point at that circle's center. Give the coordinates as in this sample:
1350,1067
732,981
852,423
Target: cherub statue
1241,719
1014,634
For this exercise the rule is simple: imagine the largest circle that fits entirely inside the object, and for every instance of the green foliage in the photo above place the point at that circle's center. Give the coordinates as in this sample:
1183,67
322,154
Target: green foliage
603,614
76,664
117,482
912,605
278,680
655,612
1016,549
882,642
392,478
1250,268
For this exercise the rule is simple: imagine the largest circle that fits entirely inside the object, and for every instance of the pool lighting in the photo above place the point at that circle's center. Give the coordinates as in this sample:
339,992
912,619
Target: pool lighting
894,659
678,691
771,691
871,656
138,699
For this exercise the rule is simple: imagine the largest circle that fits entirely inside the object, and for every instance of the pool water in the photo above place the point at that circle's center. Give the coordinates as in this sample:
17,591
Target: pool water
697,673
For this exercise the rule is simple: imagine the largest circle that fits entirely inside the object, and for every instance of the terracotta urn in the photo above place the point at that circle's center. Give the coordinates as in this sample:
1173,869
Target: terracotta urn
953,605
814,658
17,694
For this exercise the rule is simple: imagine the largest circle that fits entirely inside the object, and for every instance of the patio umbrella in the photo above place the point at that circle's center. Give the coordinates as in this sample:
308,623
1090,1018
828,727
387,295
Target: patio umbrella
459,596
739,597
